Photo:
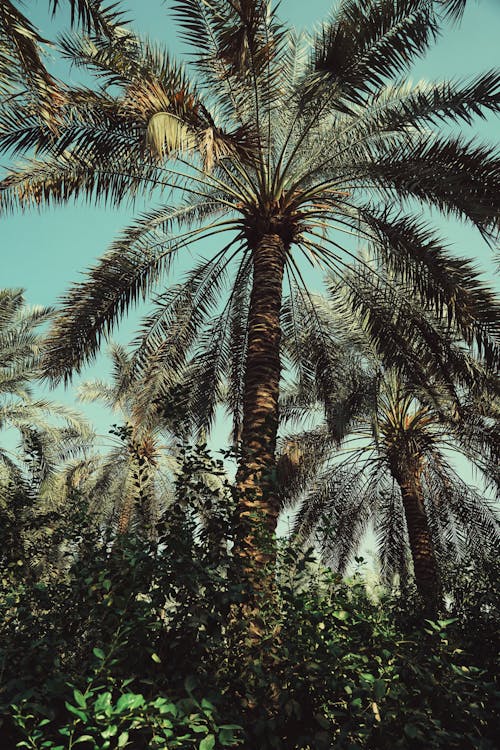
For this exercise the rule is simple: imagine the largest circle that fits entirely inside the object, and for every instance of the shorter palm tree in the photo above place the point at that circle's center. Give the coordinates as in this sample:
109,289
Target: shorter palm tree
49,435
134,482
395,405
43,426
393,470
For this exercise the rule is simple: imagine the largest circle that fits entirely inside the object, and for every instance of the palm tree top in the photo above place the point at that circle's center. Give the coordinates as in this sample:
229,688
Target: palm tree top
312,139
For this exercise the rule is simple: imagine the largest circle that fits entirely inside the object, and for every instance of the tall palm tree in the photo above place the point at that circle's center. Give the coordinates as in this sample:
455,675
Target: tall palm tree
286,144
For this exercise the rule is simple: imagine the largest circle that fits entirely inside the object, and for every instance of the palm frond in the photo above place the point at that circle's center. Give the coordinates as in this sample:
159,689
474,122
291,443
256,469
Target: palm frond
21,63
91,308
367,42
92,15
450,285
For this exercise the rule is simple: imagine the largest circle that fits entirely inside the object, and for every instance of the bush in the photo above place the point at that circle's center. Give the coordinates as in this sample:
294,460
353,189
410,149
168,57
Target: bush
132,645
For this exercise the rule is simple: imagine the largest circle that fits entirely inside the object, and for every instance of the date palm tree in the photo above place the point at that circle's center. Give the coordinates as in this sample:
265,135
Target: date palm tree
48,436
287,145
136,477
394,471
380,448
36,421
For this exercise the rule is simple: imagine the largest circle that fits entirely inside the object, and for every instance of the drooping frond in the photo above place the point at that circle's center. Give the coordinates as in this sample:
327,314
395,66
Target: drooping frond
398,107
453,9
91,308
406,336
336,511
450,285
477,518
299,457
92,15
168,334
365,43
392,535
458,177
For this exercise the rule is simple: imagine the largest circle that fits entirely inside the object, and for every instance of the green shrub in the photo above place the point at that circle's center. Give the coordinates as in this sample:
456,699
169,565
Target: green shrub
131,645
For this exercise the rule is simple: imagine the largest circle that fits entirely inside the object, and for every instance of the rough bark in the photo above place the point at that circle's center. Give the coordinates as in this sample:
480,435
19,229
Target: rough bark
139,496
258,505
407,474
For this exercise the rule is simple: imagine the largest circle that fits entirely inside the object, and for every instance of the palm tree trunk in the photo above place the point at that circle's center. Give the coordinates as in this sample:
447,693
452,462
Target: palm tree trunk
258,507
408,477
125,517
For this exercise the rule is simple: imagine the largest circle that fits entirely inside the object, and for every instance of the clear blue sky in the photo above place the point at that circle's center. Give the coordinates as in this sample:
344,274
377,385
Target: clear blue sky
44,253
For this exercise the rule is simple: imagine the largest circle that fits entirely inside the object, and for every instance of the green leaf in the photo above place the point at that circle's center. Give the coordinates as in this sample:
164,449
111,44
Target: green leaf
80,698
208,743
103,702
76,711
367,677
340,614
433,625
199,728
110,731
128,701
226,736
84,738
99,653
123,739
156,658
445,623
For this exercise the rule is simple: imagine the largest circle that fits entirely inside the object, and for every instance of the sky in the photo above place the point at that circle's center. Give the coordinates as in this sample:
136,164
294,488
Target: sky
46,252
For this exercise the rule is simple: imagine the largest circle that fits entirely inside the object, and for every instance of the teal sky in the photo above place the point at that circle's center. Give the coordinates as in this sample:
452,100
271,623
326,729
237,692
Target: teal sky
45,252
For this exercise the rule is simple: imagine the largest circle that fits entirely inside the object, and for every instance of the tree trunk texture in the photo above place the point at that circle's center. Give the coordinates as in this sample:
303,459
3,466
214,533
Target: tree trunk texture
125,517
258,505
139,499
408,477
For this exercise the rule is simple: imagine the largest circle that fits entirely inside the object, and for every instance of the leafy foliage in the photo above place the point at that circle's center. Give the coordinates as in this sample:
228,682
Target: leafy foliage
131,646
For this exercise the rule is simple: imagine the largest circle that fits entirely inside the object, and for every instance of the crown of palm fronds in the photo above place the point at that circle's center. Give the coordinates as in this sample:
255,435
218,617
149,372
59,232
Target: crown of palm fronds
312,138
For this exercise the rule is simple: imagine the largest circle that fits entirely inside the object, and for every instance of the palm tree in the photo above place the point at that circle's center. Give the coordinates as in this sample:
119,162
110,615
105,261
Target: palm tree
21,346
394,471
136,477
49,436
379,448
286,144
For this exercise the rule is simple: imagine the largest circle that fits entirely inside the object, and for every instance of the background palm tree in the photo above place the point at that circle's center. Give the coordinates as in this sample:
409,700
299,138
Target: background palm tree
380,445
288,145
37,421
134,482
49,436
